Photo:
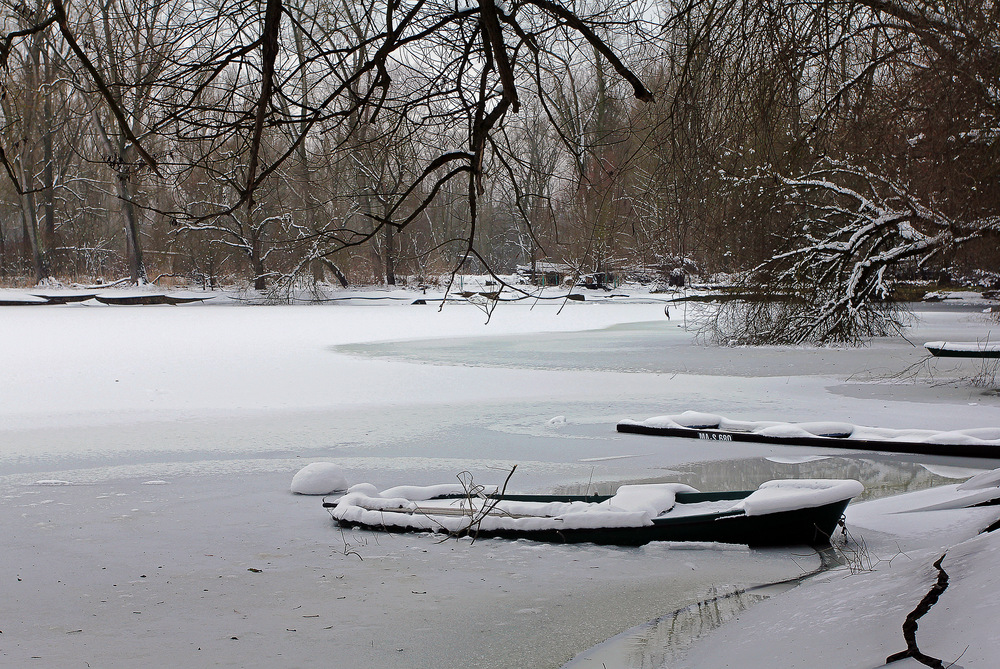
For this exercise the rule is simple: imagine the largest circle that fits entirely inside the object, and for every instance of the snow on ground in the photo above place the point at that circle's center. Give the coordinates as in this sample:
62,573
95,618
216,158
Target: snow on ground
174,433
854,614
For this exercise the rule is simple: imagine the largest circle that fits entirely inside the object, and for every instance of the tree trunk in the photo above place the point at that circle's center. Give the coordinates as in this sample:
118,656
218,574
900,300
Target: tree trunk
341,277
3,253
29,219
133,245
257,261
48,169
136,266
390,269
31,229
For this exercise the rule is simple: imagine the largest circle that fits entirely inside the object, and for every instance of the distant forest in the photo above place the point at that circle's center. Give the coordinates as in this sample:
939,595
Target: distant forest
278,141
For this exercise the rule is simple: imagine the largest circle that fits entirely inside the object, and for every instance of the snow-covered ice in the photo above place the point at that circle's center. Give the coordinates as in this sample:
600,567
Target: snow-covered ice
172,537
854,613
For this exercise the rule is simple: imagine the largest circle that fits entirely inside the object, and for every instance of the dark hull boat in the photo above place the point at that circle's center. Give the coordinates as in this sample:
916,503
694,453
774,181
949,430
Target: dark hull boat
780,513
65,297
151,298
972,443
963,349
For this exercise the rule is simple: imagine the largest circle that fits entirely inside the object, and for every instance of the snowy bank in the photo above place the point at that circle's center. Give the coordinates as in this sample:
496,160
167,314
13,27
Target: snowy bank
855,613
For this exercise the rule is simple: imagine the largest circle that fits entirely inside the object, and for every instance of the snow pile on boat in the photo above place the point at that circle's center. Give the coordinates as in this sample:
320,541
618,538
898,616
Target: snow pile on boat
319,478
982,480
696,420
630,506
790,494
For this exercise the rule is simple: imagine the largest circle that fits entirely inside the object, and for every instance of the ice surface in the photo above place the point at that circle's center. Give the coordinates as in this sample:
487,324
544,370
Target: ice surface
227,402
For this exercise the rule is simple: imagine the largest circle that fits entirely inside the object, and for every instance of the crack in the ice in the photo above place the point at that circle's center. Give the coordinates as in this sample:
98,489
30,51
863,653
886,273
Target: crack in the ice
910,624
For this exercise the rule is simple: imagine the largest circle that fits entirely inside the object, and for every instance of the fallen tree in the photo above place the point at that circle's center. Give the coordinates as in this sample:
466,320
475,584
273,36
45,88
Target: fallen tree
850,231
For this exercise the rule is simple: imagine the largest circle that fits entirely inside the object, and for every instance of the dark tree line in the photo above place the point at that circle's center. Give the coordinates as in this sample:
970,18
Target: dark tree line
294,140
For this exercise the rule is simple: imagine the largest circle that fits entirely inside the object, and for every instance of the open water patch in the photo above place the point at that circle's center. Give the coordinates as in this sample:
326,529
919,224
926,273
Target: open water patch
662,641
650,347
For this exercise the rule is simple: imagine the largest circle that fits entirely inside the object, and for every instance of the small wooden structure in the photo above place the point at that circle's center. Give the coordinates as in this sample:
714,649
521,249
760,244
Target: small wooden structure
544,273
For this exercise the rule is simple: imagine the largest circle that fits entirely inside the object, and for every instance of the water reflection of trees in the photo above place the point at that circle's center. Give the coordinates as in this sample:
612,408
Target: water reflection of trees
665,639
881,475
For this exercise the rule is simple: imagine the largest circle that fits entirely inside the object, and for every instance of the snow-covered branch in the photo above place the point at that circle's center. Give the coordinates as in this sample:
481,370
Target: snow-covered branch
835,282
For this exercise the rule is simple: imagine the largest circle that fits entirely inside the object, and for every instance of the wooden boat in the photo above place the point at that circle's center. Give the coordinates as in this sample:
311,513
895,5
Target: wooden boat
59,297
149,298
963,349
12,299
186,299
788,512
972,443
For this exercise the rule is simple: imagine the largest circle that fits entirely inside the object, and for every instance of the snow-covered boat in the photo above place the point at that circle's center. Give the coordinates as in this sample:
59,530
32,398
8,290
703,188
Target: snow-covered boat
983,442
783,512
963,349
12,298
148,298
65,297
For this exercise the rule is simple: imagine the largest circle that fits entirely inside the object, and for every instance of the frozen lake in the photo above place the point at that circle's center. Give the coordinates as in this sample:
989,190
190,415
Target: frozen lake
175,433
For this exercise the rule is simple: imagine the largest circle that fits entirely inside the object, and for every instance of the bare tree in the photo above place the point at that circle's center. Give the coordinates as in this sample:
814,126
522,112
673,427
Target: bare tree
889,163
229,106
28,121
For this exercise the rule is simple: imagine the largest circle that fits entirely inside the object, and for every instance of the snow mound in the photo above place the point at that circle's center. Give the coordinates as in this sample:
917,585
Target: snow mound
747,425
319,478
784,430
790,494
697,420
651,498
828,429
951,472
417,493
990,479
